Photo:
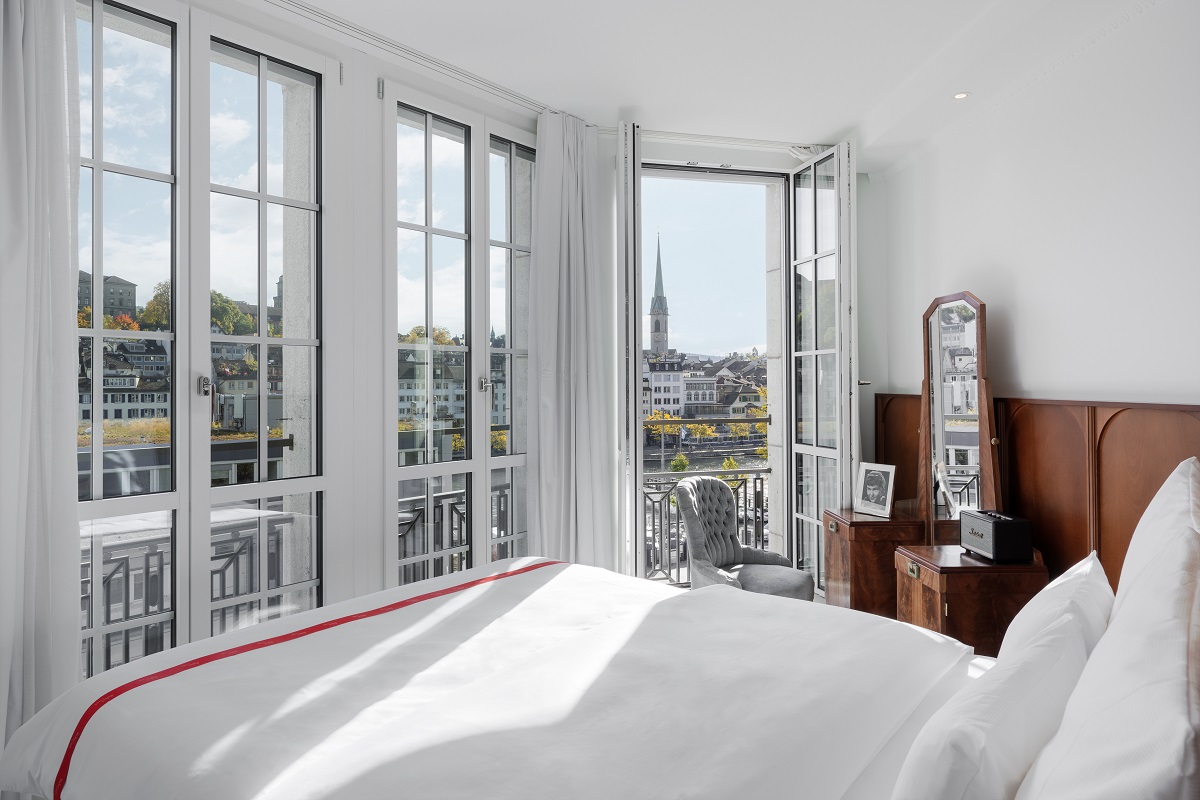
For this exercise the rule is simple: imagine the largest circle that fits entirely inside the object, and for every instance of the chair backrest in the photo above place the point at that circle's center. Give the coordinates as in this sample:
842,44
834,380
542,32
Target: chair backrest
710,516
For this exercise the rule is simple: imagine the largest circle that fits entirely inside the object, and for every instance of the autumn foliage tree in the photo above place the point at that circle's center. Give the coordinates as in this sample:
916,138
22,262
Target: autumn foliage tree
417,334
156,315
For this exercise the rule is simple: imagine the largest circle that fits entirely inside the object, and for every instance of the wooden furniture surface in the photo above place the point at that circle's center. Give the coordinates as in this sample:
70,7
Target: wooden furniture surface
1082,472
859,550
945,589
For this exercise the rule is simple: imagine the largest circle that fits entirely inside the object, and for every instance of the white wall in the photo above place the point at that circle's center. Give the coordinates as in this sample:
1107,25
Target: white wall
1070,207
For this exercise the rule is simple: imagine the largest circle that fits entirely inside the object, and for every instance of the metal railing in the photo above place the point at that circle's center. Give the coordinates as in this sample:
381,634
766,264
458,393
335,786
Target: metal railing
664,532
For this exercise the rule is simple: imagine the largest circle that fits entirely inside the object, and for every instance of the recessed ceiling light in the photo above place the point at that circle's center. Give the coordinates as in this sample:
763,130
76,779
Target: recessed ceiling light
962,95
693,163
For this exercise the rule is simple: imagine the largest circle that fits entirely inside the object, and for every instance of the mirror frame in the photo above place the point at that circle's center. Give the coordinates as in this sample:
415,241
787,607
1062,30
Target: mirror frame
945,531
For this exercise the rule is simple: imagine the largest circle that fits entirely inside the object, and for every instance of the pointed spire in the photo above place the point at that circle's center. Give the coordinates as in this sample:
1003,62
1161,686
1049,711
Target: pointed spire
659,302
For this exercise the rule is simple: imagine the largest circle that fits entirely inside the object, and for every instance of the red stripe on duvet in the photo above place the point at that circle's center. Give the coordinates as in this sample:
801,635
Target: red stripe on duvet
61,779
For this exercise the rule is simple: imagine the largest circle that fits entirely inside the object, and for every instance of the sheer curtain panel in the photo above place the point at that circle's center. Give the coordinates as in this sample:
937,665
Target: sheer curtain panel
572,441
39,529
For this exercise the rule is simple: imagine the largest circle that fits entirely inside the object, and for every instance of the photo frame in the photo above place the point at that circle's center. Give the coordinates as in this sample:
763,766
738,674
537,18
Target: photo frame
874,488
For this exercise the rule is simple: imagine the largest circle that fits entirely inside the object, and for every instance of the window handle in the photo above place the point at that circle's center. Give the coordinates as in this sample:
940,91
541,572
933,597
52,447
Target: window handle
485,385
204,386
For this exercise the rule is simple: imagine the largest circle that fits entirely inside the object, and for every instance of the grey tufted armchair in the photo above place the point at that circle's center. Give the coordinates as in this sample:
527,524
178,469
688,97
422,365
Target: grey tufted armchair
717,556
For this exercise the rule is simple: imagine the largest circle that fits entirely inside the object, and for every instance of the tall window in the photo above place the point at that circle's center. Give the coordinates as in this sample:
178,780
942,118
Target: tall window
245,455
510,222
126,436
263,324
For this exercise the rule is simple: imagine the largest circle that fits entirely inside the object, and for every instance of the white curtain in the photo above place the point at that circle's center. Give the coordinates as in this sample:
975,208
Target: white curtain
573,377
39,182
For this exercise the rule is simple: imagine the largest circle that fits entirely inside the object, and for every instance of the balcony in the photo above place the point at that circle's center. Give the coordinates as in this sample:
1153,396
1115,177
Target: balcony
665,536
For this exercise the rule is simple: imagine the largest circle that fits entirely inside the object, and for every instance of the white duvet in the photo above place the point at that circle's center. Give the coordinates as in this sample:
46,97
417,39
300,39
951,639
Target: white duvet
554,682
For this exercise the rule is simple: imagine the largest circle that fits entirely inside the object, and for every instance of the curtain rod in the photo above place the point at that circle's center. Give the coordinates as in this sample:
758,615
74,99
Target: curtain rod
407,53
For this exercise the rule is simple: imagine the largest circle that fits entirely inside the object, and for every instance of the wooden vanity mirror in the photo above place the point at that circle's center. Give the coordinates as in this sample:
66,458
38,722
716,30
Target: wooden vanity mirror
957,447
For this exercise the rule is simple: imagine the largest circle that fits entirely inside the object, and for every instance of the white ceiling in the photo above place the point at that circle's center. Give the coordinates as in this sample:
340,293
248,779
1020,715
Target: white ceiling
783,70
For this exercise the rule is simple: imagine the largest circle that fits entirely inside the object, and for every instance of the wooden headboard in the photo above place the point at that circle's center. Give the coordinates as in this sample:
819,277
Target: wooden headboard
1082,472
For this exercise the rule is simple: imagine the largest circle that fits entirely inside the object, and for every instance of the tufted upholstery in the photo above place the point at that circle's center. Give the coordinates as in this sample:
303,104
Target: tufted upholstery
716,555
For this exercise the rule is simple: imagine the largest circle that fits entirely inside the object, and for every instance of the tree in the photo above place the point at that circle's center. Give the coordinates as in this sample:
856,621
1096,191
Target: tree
228,318
417,334
83,317
156,316
761,411
699,431
739,430
679,463
121,322
729,463
656,414
499,443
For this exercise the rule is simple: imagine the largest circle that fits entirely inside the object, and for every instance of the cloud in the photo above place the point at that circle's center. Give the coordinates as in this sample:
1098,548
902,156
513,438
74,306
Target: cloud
227,130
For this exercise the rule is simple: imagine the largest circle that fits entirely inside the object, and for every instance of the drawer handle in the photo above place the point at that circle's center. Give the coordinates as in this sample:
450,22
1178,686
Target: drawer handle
832,526
914,571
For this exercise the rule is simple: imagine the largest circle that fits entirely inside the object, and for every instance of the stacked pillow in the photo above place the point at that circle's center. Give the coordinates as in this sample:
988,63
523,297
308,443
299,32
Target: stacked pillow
1132,727
981,743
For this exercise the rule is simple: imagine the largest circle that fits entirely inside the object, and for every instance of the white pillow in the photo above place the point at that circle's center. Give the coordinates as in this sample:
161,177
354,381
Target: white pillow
981,743
1132,727
1083,590
1175,509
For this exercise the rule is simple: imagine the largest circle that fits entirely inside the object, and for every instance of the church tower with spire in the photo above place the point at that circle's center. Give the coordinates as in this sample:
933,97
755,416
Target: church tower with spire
658,311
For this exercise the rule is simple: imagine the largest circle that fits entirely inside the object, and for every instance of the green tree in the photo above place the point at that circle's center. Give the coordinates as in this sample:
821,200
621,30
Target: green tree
679,463
729,463
83,317
229,319
156,315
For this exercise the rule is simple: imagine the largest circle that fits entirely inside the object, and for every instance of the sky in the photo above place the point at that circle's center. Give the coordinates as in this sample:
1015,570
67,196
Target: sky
713,260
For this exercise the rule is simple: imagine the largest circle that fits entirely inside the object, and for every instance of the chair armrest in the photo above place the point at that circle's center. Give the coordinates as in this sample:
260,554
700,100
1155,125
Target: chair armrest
752,555
703,573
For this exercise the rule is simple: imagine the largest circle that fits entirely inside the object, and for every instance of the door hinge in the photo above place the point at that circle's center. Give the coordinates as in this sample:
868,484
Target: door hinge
341,73
379,88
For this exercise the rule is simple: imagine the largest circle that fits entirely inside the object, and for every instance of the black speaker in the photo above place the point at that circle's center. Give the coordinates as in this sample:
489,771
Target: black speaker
995,536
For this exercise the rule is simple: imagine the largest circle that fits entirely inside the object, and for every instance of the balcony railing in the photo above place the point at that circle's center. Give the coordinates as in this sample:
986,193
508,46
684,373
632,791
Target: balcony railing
665,534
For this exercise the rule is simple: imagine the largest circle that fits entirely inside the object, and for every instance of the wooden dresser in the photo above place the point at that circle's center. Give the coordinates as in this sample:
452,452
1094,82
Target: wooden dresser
973,600
860,549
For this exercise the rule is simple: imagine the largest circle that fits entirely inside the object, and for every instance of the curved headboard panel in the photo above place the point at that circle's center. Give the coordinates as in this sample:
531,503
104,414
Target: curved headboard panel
1082,472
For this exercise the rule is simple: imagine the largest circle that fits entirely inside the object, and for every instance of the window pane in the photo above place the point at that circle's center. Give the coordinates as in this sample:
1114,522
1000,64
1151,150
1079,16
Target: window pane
519,288
137,249
291,255
410,165
805,399
133,572
137,91
411,534
498,158
234,436
826,316
292,544
410,286
805,236
827,401
826,192
233,276
450,429
291,407
233,117
805,322
233,617
449,291
510,377
291,124
137,416
411,405
84,435
84,286
233,551
522,196
509,527
83,41
498,297
449,518
449,176
806,485
807,546
827,485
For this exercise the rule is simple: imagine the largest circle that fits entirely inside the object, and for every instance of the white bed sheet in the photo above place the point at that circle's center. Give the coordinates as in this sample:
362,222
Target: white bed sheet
561,681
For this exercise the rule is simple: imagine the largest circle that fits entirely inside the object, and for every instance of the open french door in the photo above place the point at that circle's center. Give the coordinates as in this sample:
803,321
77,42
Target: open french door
824,430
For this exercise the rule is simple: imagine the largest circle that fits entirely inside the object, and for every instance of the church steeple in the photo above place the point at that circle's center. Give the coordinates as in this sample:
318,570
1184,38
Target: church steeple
658,310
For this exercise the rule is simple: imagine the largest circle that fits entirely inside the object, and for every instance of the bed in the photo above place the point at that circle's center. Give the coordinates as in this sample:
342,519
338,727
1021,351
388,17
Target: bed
533,679
523,679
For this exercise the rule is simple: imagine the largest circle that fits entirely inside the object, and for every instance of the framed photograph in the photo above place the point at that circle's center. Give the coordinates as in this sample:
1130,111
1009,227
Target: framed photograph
873,489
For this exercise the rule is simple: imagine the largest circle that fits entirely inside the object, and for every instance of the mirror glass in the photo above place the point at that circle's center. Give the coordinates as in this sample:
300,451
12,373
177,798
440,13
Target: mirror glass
954,347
